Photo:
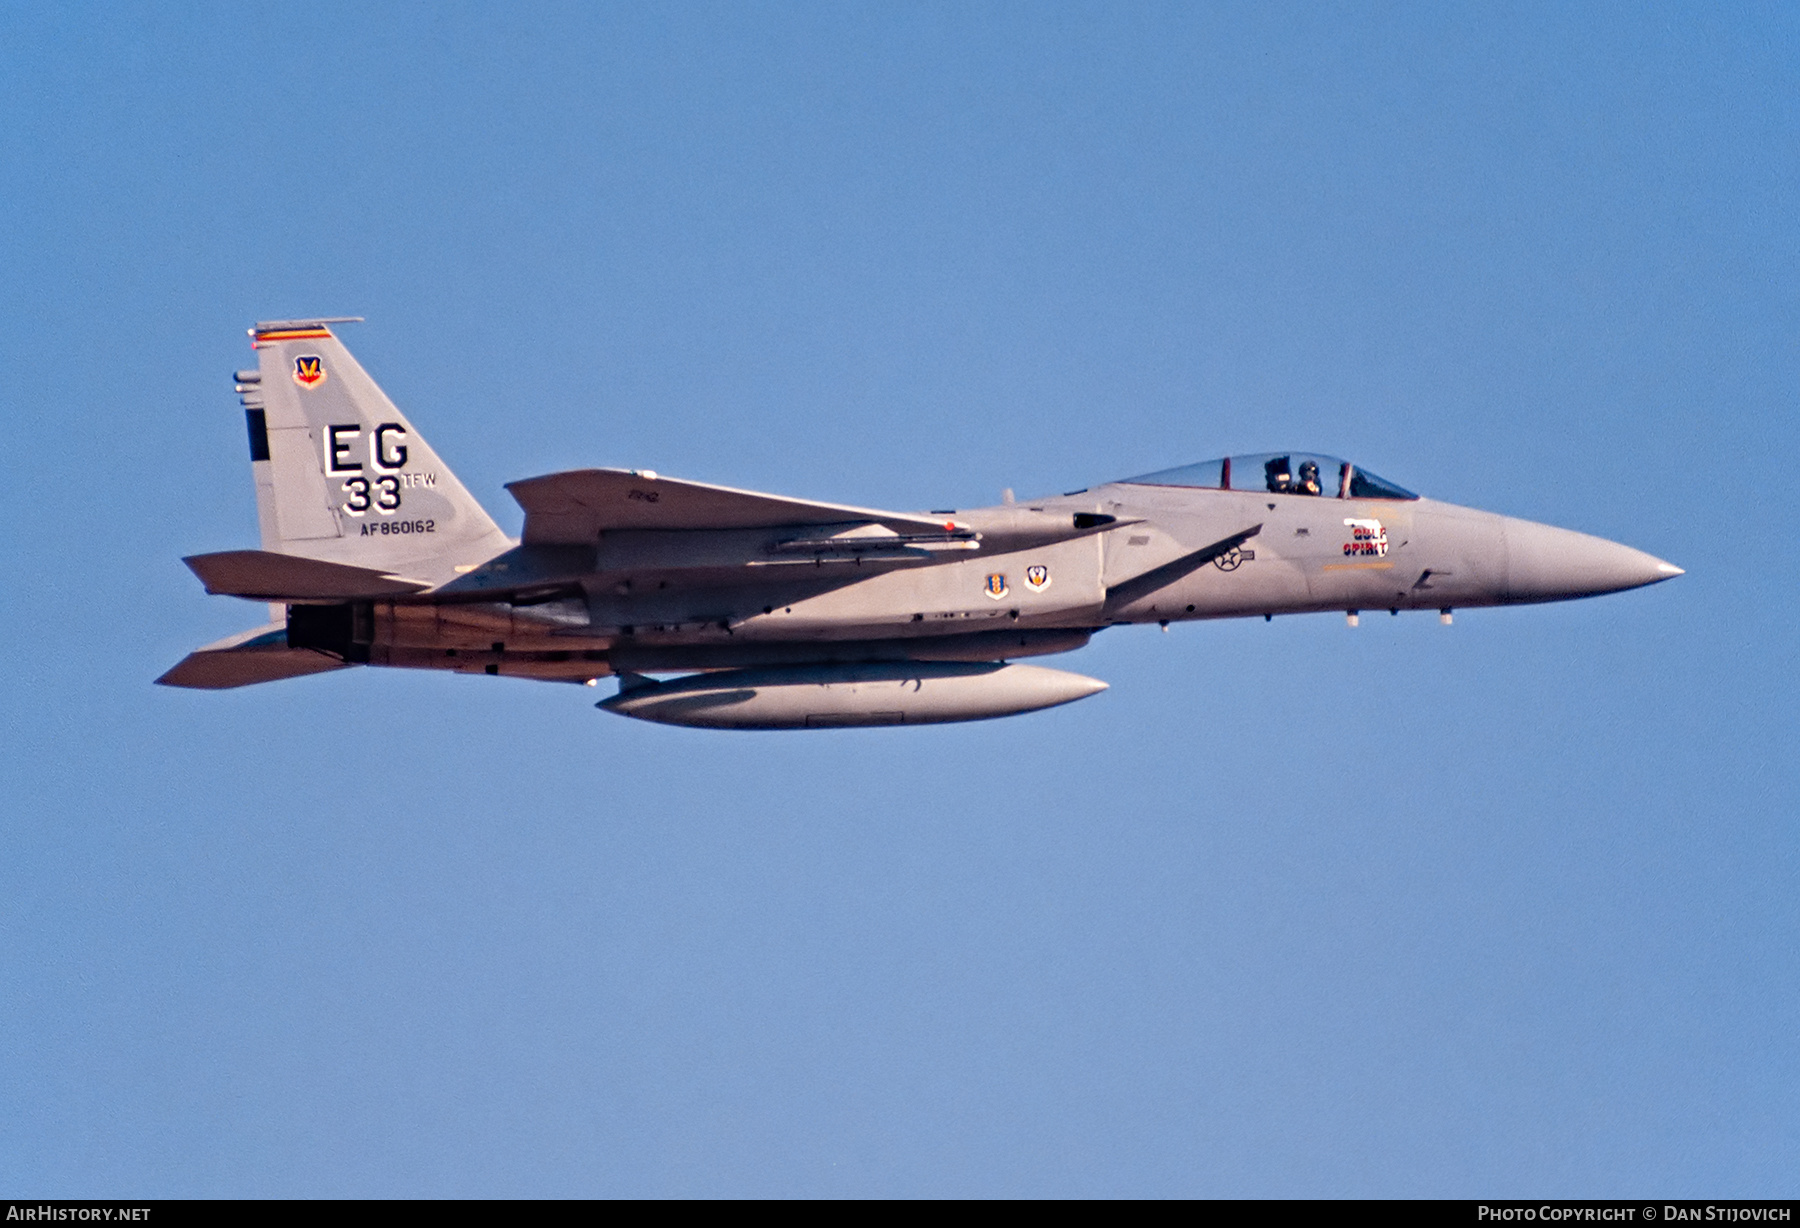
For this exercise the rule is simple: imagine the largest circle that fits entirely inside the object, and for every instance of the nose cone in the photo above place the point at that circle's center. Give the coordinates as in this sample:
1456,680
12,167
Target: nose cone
1544,563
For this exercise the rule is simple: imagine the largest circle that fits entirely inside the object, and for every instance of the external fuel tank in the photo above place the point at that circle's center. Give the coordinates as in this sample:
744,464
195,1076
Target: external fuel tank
835,696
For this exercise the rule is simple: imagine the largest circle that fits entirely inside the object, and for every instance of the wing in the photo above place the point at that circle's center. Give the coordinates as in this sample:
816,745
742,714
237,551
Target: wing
1148,582
574,508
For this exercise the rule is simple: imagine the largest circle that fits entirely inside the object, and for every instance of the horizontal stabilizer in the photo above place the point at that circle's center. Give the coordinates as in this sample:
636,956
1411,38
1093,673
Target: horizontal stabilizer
574,508
266,576
261,655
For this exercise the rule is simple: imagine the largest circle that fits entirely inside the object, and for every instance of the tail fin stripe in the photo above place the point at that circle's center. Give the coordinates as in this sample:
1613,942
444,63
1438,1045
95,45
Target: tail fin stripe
292,334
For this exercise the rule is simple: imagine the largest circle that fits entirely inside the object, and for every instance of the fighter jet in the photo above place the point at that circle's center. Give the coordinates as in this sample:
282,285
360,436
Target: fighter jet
733,609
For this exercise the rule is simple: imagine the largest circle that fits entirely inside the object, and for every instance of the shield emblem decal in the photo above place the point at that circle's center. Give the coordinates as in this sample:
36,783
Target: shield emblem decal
996,587
1037,578
309,372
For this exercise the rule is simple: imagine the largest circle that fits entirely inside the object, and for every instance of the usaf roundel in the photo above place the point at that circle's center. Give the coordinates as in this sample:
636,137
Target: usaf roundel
309,372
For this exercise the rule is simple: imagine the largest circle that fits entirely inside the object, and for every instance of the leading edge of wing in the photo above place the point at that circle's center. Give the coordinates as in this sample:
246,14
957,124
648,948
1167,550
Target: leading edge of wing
576,506
1131,589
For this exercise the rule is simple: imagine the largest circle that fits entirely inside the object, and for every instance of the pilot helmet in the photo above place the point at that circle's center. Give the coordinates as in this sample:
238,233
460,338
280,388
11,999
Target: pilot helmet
1309,471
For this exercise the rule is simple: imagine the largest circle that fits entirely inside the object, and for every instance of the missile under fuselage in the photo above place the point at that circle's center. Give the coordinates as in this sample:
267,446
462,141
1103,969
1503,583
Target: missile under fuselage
835,696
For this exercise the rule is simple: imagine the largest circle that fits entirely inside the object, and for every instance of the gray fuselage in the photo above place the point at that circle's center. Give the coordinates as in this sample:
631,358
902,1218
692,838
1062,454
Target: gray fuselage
1033,578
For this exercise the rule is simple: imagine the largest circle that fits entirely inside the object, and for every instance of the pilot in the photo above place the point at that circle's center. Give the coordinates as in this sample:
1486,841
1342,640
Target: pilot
1309,479
1279,473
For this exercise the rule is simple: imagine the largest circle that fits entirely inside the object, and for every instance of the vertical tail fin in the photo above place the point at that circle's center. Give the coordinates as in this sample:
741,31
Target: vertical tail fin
341,475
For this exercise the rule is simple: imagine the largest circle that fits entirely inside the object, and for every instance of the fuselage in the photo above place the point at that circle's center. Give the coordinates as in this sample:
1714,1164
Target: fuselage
1029,582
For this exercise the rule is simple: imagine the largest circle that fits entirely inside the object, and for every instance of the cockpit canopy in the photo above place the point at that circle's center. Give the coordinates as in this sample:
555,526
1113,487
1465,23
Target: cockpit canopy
1280,473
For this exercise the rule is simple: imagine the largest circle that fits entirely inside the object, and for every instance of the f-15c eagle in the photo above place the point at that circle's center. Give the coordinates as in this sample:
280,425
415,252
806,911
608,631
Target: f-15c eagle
766,612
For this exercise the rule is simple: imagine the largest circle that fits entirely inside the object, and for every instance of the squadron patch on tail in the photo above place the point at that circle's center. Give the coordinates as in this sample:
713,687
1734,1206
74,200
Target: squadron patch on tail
309,371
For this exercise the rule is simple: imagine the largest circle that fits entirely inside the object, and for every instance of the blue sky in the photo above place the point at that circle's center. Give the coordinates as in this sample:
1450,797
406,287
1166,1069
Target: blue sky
1501,908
